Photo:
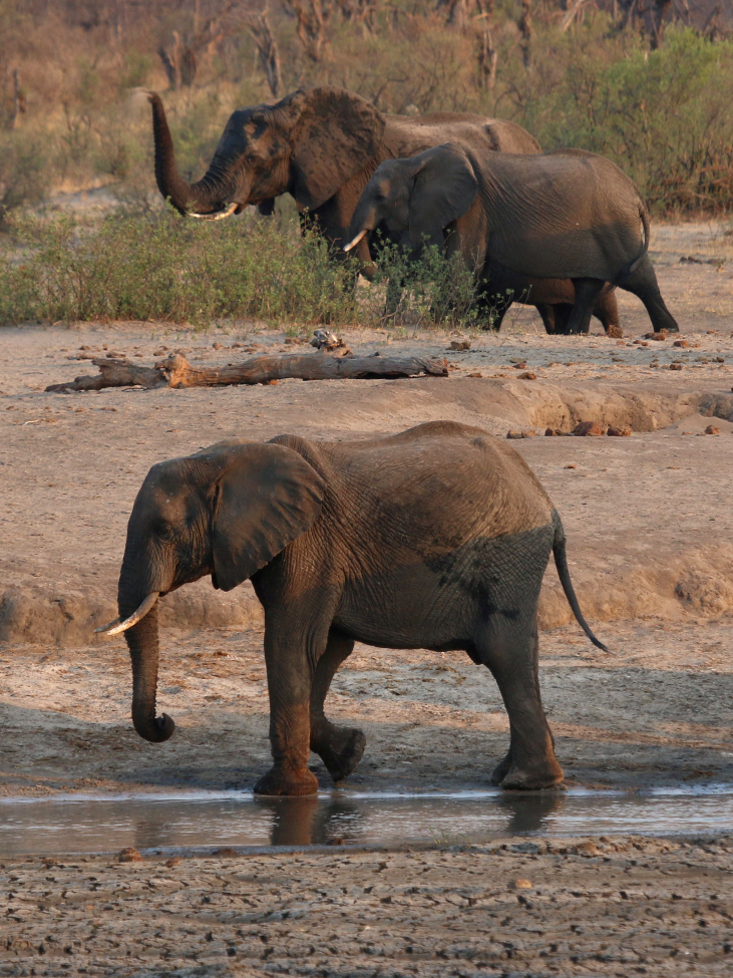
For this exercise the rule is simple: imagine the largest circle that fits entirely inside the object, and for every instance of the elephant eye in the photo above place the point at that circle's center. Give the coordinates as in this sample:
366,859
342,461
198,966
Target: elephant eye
162,529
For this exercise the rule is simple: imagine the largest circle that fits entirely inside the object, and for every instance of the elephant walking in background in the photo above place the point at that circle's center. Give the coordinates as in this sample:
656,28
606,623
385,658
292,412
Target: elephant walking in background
322,145
526,219
435,538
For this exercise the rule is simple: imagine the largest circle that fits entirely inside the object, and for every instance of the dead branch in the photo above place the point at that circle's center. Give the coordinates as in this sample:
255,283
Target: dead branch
527,31
18,100
573,12
259,27
311,29
176,371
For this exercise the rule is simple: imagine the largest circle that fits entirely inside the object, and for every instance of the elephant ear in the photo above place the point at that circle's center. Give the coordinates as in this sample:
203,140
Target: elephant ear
335,135
267,496
445,187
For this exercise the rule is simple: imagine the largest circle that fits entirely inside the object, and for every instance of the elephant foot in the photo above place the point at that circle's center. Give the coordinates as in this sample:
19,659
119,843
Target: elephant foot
340,749
549,774
278,781
502,769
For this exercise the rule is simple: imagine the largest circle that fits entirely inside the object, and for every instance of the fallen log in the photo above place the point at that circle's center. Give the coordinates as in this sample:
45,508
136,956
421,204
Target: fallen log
176,371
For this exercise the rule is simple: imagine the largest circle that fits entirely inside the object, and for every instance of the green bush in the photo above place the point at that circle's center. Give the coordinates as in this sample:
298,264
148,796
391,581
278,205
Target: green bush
169,268
174,269
432,290
665,116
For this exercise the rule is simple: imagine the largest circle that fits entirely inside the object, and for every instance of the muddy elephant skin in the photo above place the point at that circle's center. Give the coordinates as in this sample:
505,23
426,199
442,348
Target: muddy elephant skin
435,538
542,217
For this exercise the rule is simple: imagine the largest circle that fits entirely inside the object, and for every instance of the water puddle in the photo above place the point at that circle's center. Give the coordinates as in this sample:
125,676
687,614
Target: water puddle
87,823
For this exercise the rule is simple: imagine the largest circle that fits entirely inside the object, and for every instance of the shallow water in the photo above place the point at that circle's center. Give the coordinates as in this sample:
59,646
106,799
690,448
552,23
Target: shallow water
88,823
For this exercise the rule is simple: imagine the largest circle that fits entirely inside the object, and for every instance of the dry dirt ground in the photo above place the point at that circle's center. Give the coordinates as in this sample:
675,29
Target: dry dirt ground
518,909
649,524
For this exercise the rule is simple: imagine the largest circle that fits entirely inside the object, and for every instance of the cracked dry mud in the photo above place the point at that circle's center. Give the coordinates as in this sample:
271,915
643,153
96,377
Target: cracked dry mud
649,525
616,907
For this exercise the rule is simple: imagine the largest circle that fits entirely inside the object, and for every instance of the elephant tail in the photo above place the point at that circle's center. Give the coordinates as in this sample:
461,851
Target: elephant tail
561,562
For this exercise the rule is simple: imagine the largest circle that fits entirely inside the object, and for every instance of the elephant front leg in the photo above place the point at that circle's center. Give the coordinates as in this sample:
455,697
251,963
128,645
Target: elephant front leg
289,678
340,748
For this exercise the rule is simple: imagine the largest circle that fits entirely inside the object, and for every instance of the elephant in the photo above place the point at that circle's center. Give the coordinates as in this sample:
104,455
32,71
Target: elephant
554,299
433,538
322,145
550,216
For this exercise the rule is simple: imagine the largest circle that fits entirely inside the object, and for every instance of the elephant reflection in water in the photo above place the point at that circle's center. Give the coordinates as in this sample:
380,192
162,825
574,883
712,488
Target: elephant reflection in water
304,821
528,812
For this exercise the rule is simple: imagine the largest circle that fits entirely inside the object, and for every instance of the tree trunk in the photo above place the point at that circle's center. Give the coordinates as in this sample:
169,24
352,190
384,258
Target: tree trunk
176,371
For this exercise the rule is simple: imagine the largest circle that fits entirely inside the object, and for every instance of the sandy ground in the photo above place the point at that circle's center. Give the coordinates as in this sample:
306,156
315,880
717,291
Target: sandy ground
613,907
649,525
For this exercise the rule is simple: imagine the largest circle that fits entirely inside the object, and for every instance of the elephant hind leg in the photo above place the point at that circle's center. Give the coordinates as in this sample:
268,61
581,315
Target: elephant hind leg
642,282
606,309
340,748
586,294
509,648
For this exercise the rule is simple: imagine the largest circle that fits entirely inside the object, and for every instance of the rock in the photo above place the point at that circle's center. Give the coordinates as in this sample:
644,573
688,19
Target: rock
173,861
129,855
462,344
640,343
712,430
588,428
682,343
675,366
521,884
615,332
586,848
225,853
520,434
528,375
622,432
660,336
476,374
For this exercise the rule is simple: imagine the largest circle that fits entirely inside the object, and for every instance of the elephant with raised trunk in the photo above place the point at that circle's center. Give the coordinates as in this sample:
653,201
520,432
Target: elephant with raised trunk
532,220
435,538
321,145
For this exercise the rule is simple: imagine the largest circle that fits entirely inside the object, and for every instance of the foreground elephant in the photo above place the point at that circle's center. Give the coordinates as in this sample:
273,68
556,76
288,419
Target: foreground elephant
523,218
435,538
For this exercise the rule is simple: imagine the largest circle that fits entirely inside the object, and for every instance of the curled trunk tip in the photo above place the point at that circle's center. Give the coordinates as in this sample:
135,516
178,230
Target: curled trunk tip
156,730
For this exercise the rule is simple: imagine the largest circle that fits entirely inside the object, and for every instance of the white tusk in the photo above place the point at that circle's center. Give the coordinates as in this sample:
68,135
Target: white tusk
357,239
116,627
219,216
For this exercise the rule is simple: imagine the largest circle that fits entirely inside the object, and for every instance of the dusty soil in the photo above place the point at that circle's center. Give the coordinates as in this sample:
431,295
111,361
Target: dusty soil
649,524
615,907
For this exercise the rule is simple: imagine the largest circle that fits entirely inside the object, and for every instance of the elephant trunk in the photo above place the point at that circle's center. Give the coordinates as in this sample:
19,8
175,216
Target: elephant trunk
142,641
138,584
363,221
208,197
